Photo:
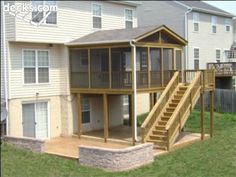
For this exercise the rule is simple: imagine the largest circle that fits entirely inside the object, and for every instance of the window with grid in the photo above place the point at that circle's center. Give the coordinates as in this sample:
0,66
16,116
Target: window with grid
196,58
218,55
36,66
195,22
37,16
85,111
213,24
97,16
227,25
128,18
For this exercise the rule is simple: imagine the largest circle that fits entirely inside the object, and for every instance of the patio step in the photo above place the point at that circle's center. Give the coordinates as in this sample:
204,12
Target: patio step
159,147
157,142
158,137
159,132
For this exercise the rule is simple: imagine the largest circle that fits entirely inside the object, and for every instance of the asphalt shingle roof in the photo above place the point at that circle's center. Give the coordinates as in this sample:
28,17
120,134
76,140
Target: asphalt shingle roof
204,6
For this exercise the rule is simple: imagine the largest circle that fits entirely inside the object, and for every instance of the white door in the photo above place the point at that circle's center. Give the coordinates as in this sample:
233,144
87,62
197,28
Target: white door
86,119
41,116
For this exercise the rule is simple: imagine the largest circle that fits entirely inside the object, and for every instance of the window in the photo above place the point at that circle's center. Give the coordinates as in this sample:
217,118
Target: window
227,25
97,16
217,55
36,66
128,18
85,111
213,23
196,58
196,22
50,15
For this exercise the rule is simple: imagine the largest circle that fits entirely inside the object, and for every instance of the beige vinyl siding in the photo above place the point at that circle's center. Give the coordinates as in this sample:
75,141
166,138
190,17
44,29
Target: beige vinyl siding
206,41
58,74
10,27
74,20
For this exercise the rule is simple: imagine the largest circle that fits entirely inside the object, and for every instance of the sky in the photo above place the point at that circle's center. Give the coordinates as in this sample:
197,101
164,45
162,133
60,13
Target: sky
229,6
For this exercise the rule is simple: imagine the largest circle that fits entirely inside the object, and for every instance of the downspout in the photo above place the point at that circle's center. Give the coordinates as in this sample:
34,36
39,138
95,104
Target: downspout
135,91
186,37
5,66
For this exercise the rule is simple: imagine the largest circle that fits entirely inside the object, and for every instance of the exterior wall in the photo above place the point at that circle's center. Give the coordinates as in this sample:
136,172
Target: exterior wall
96,113
143,103
15,115
155,13
74,21
206,41
58,72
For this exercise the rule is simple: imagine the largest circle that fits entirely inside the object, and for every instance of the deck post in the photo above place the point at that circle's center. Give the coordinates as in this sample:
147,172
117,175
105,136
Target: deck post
79,115
130,110
105,116
149,68
162,68
151,104
202,114
211,113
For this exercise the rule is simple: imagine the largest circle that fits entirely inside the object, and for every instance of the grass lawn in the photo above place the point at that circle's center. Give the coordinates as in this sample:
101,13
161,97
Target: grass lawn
211,158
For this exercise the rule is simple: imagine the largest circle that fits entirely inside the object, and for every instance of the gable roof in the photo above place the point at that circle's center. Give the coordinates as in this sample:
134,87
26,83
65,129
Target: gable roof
204,7
122,36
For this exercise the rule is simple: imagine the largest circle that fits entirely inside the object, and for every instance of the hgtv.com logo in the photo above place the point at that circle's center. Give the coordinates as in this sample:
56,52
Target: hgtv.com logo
24,10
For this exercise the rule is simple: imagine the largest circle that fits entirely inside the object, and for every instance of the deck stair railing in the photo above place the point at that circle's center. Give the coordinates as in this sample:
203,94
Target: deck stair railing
158,107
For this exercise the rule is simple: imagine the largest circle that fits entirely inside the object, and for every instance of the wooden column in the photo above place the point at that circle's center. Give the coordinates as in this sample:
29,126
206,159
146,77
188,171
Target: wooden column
202,115
162,68
149,68
151,104
89,68
132,113
130,110
79,115
105,116
154,98
211,113
110,70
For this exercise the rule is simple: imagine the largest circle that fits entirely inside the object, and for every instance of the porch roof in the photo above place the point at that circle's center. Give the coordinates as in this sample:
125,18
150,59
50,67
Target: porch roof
123,36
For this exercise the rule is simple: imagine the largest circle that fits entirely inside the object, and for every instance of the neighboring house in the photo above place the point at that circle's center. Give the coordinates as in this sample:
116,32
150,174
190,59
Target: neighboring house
208,30
39,99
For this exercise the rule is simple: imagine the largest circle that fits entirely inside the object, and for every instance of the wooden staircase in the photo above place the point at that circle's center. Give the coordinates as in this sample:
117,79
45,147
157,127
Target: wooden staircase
168,116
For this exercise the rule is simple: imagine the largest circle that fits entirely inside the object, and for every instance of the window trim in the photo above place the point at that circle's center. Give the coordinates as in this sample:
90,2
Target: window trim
44,13
216,54
48,115
129,20
213,24
36,67
196,58
94,3
89,110
198,22
229,25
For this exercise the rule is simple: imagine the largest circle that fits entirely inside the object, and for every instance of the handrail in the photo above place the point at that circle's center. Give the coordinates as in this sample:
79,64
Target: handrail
159,105
185,96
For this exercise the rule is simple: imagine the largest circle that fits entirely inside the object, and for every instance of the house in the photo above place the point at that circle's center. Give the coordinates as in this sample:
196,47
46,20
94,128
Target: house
234,22
69,69
37,90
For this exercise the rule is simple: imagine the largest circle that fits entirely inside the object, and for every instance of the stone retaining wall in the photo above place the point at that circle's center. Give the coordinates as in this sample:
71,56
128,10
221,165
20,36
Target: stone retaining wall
116,159
32,144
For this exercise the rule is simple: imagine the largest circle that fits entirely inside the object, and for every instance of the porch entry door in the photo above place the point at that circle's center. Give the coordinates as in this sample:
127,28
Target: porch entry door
86,120
35,120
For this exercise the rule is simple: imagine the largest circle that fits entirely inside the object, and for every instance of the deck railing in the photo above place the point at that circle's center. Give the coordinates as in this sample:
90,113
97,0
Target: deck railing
155,113
223,68
121,79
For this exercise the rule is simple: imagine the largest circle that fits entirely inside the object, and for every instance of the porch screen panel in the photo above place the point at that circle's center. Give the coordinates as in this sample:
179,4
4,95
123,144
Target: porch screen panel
121,67
178,60
155,73
167,65
142,67
79,68
99,68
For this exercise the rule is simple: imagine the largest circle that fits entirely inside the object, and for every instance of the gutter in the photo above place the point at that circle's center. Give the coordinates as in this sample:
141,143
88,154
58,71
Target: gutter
186,37
135,91
5,66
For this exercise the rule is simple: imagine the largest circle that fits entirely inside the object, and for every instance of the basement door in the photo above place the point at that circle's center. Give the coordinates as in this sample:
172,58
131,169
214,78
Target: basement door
35,120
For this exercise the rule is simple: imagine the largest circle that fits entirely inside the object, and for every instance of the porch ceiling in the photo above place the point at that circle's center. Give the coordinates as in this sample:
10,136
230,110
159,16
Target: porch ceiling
123,36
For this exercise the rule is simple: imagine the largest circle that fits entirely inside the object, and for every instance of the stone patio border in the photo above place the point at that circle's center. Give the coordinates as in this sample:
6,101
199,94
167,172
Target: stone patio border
116,159
32,144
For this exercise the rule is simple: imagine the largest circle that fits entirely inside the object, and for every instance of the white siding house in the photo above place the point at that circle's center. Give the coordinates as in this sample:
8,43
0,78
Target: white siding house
38,67
182,17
